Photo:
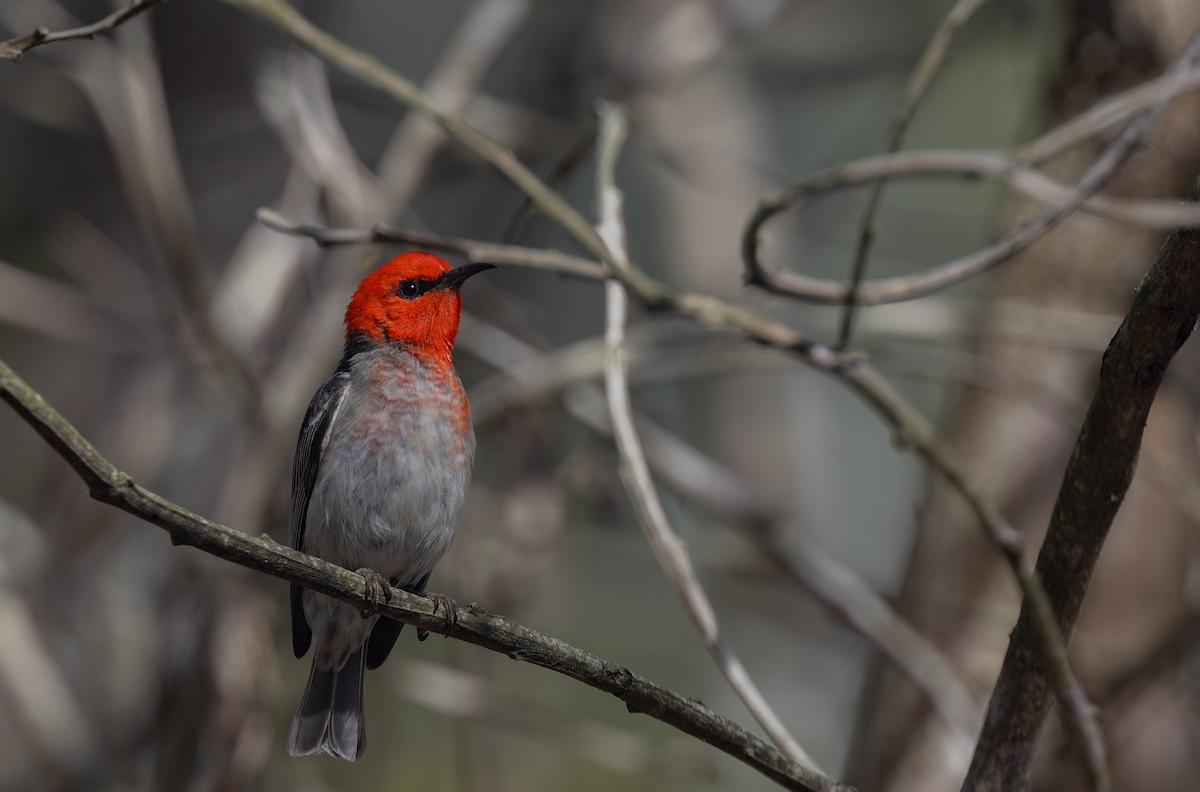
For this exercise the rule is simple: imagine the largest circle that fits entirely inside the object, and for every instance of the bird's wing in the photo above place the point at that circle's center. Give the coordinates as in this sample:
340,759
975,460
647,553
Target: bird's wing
386,631
314,436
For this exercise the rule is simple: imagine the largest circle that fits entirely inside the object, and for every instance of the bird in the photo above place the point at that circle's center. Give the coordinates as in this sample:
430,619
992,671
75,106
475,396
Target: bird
379,480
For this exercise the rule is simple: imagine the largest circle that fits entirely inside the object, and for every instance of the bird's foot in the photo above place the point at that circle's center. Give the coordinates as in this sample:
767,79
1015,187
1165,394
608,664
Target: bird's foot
444,603
378,591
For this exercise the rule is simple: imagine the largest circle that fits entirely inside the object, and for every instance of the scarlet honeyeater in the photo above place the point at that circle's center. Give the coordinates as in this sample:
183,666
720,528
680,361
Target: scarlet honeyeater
381,473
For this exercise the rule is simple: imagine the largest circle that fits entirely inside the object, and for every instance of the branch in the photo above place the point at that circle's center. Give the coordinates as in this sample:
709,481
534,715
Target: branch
911,286
373,72
526,374
907,287
15,48
922,77
1163,314
464,62
910,429
109,485
669,548
550,260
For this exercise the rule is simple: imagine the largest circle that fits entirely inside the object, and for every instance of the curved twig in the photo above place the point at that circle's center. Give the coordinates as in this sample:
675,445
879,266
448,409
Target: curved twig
912,433
910,428
108,484
1151,104
669,548
907,287
922,77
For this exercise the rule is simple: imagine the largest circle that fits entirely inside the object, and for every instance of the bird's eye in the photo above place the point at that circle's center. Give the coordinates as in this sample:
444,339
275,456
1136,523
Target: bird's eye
409,288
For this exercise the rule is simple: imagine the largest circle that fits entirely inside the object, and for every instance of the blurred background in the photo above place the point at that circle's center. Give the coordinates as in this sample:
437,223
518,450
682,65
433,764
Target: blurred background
184,339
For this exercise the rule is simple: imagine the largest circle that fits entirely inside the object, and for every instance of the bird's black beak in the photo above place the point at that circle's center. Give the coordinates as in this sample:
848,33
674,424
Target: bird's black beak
452,279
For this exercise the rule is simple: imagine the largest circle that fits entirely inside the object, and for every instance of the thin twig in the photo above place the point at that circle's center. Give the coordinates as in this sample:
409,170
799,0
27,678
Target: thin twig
464,62
669,548
910,428
525,374
494,253
56,310
922,77
123,81
908,287
373,72
911,433
14,48
911,286
109,485
474,697
1182,78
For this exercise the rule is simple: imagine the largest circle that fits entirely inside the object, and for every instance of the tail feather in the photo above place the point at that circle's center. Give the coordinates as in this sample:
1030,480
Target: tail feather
347,734
330,716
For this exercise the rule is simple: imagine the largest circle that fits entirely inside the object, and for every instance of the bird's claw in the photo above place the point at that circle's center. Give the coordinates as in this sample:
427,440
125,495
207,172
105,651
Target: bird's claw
444,603
378,591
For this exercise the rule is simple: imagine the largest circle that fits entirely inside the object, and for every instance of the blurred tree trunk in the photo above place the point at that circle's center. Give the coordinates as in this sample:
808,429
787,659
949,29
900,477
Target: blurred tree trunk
957,591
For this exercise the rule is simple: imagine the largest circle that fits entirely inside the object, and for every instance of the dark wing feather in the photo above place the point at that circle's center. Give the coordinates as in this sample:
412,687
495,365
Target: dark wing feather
314,435
386,631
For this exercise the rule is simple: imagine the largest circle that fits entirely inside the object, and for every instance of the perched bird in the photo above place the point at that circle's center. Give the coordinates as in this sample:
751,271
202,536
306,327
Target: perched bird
381,472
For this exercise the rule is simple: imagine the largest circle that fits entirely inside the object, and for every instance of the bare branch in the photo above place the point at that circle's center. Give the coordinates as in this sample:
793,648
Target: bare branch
911,430
108,484
1094,485
959,269
525,373
462,695
371,71
538,258
14,48
669,548
1110,112
922,77
54,309
911,433
908,287
485,29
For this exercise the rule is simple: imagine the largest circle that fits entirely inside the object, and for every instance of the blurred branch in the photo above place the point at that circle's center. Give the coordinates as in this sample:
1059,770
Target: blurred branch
53,309
911,432
293,92
922,77
907,287
486,28
527,374
910,428
966,164
123,81
1163,314
669,548
1109,112
14,48
37,694
455,693
109,485
373,72
538,258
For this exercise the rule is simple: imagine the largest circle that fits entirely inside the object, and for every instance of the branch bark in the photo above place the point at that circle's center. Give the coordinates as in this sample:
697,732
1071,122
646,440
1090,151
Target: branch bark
670,550
109,485
14,48
910,430
1102,465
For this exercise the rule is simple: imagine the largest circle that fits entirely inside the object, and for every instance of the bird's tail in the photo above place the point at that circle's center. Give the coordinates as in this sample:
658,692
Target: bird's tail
330,717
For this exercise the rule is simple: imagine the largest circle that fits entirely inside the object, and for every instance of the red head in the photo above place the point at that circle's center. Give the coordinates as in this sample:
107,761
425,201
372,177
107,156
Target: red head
411,300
